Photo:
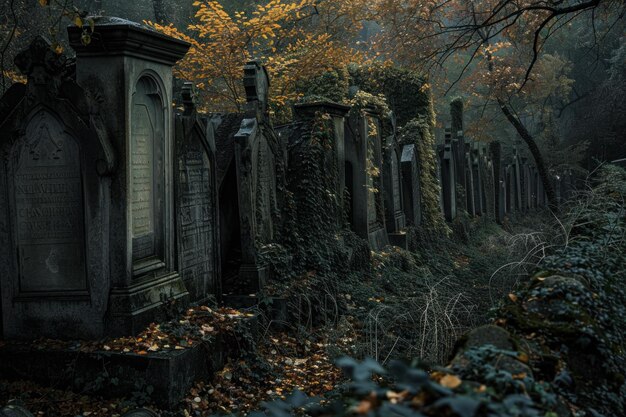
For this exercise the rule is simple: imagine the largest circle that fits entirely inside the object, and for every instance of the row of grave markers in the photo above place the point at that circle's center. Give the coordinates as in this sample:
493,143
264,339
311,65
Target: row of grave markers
113,204
475,177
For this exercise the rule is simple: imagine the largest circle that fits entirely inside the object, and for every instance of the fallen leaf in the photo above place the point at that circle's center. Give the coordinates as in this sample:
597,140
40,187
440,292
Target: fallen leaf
450,381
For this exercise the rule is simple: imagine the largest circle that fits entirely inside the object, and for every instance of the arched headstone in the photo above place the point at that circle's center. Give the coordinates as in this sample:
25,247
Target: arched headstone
54,203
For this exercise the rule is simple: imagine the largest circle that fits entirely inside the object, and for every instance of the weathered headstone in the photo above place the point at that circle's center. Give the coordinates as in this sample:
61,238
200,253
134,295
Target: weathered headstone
541,195
392,176
448,179
489,182
469,187
364,173
518,181
510,189
411,192
54,203
477,178
305,114
196,203
498,173
256,150
129,66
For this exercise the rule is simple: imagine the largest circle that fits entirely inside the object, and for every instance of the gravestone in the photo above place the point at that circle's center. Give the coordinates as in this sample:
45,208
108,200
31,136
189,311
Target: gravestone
489,183
541,195
54,203
459,142
448,179
518,181
526,185
392,176
411,193
196,203
256,150
510,189
305,114
477,178
129,66
497,172
469,186
364,171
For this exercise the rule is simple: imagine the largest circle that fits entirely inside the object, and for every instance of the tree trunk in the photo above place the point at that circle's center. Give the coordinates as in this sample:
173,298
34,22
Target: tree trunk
534,150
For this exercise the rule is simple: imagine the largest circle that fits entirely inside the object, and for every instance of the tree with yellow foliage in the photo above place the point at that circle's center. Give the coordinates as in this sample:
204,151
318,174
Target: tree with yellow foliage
296,40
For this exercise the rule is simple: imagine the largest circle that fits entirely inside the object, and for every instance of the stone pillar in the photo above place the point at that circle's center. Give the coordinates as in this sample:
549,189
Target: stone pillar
129,67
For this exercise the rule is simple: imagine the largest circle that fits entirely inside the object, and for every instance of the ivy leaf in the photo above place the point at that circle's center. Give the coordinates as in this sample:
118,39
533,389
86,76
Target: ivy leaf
463,406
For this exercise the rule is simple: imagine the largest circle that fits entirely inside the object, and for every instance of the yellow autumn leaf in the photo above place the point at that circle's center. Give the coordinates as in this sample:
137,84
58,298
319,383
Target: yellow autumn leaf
450,381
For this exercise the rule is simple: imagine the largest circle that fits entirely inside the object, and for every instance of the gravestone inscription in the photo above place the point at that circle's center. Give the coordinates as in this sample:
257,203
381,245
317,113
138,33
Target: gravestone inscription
196,206
48,202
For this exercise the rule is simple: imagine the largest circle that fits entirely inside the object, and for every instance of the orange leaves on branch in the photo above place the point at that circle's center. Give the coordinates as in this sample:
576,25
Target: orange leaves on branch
287,36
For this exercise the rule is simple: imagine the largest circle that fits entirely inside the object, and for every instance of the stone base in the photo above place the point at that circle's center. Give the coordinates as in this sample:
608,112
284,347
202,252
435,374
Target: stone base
378,239
399,239
170,373
255,276
135,307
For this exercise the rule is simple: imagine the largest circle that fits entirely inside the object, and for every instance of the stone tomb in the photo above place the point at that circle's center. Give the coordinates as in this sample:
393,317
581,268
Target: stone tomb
196,203
54,204
364,182
392,177
411,193
130,67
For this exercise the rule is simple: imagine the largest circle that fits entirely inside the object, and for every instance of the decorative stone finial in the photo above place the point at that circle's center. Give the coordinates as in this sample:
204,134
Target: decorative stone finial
256,82
40,63
188,94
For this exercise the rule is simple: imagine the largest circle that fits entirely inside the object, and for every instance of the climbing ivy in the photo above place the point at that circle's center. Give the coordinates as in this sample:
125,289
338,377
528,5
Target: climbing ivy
407,92
418,131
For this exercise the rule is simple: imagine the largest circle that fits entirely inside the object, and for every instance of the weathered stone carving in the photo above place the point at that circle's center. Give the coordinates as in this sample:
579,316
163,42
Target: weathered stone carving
196,203
130,66
54,203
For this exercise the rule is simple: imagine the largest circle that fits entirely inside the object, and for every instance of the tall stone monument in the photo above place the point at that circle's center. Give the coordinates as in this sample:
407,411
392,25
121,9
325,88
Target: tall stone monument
129,66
